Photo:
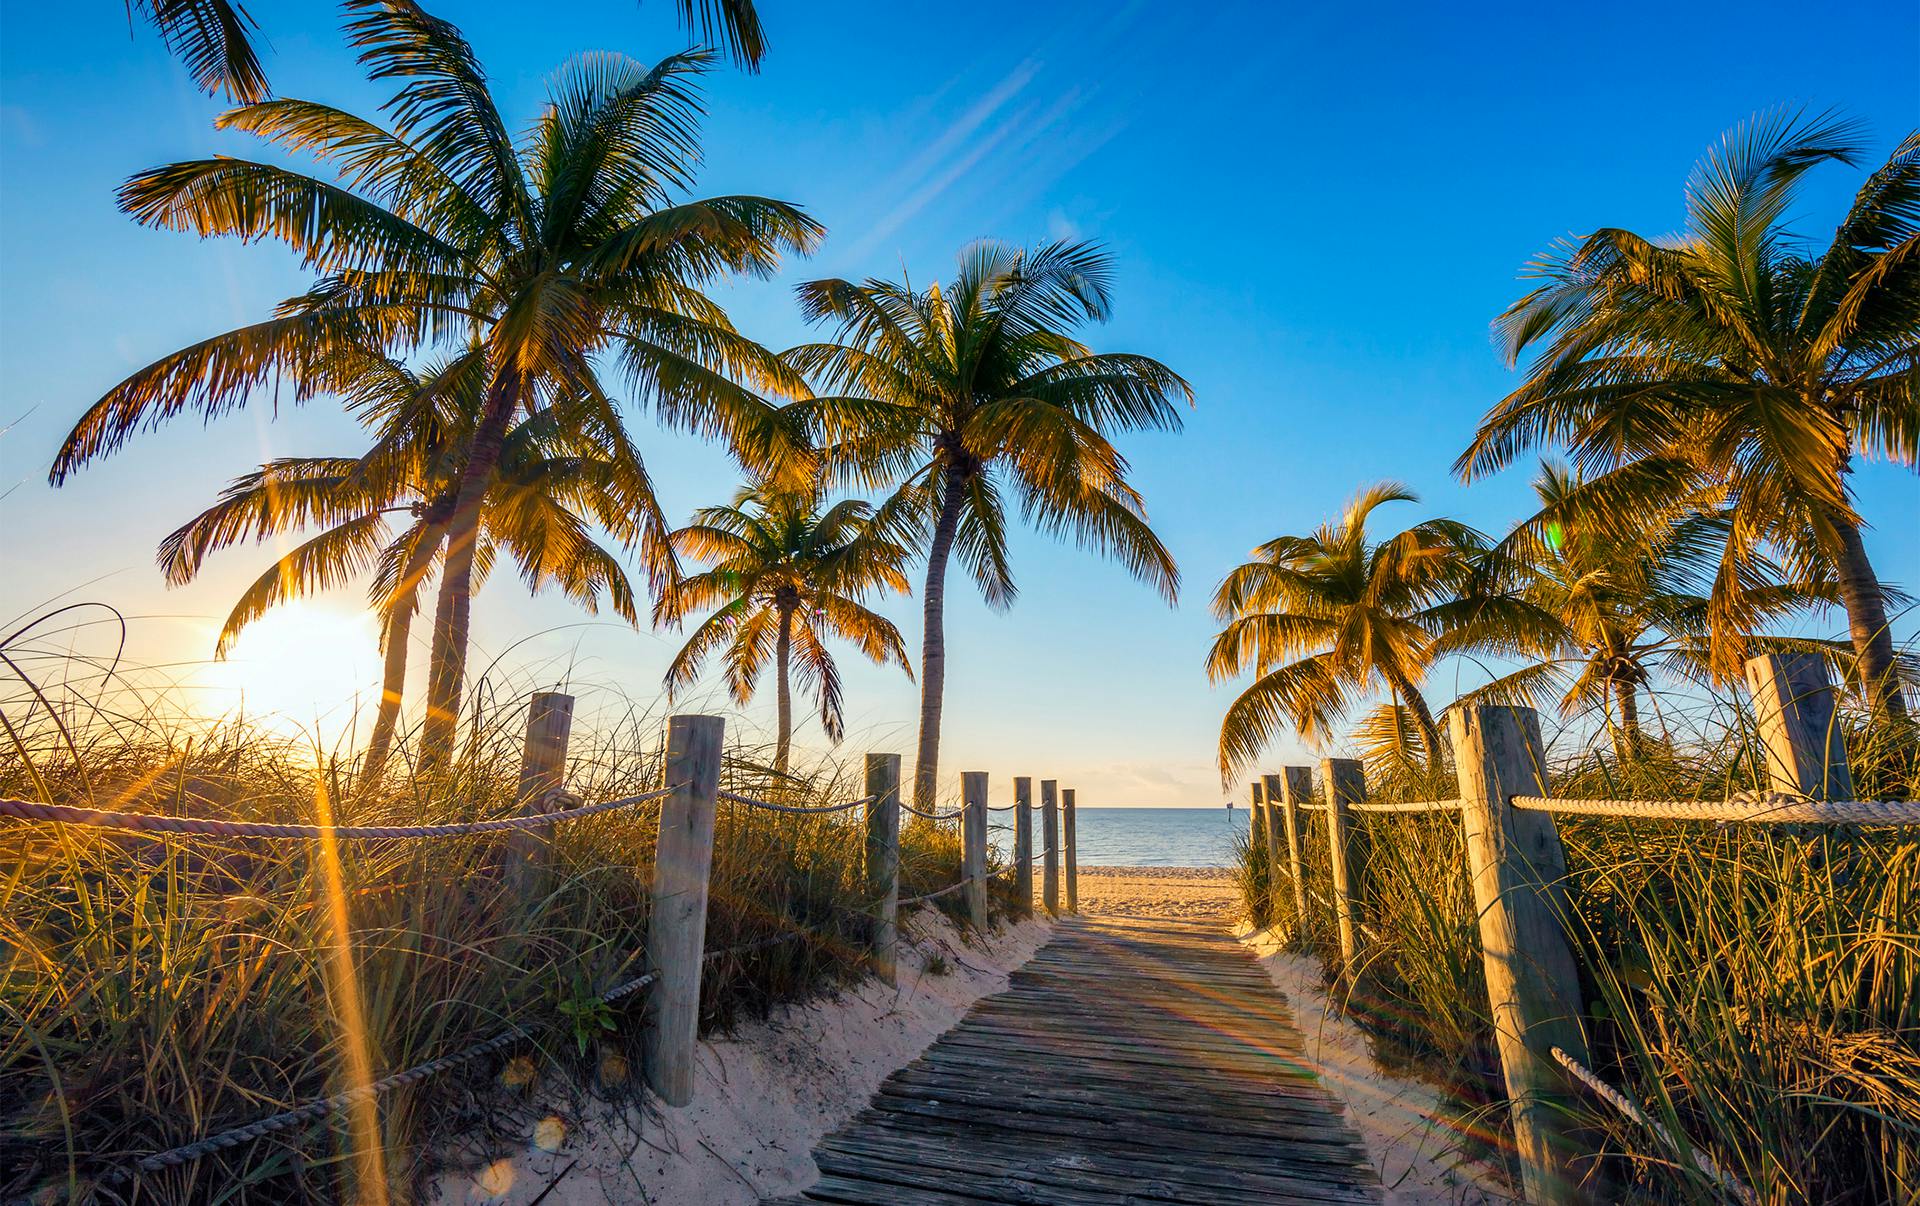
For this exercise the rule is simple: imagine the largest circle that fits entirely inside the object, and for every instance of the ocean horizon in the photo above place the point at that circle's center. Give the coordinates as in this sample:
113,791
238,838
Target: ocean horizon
1157,837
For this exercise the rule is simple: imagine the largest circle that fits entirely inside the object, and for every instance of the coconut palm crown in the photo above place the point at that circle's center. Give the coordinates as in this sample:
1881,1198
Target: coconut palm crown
966,397
785,576
1322,619
561,254
1610,599
550,494
1735,357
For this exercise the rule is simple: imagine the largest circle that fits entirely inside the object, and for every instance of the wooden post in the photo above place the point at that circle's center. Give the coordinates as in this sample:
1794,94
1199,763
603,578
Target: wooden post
1023,846
883,861
1273,794
1073,855
1518,870
973,835
1050,830
543,768
1256,820
1296,789
1346,784
677,929
1805,751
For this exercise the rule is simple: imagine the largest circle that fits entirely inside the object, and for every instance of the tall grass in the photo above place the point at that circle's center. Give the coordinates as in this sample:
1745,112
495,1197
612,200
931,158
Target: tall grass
1755,988
158,990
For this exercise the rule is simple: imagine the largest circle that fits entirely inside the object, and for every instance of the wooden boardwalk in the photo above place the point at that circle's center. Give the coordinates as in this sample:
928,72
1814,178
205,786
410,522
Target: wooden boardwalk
1132,1060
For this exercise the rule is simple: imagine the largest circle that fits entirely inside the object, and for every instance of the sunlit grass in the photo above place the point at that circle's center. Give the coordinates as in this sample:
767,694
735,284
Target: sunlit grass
158,990
1756,988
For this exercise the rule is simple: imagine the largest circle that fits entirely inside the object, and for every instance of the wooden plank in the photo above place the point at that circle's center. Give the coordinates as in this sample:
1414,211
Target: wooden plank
1125,1063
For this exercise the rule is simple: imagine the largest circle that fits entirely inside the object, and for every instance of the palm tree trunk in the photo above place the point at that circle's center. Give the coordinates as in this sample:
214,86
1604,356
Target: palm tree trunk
1867,620
933,642
449,668
393,683
1422,715
1626,739
782,655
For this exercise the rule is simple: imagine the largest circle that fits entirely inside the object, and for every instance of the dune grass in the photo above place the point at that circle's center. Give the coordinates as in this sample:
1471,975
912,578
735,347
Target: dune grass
160,989
1755,988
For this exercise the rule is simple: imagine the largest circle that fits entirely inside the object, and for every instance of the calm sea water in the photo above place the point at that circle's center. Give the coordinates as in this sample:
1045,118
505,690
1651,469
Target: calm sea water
1156,837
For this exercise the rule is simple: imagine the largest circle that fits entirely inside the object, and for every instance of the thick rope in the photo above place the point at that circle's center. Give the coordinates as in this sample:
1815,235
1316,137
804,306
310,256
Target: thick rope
772,807
947,891
151,823
1002,807
1775,807
314,1110
931,816
1620,1101
1410,806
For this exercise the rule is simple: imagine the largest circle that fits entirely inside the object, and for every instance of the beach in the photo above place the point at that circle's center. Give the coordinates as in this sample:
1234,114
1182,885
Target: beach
772,1089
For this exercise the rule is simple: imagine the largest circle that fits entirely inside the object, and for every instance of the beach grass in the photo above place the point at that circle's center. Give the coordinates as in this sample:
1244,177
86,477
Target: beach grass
1754,988
160,989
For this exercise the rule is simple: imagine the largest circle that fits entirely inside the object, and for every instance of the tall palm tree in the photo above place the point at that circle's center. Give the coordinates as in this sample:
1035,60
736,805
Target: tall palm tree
1611,598
557,254
954,395
214,38
1744,359
1322,619
784,576
548,493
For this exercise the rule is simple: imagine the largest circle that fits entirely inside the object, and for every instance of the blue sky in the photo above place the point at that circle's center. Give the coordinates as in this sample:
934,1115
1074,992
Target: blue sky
1315,211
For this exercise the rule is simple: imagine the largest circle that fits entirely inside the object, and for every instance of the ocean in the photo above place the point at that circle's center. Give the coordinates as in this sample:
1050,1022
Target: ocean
1155,837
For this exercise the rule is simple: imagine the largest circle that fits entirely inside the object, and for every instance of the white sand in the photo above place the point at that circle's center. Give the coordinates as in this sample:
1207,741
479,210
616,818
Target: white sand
764,1095
1412,1147
1193,893
768,1093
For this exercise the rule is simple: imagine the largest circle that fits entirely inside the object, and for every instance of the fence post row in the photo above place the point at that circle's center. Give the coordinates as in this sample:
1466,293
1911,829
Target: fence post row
1050,829
1793,705
1023,846
677,928
973,836
543,768
883,861
1518,871
1073,856
1346,784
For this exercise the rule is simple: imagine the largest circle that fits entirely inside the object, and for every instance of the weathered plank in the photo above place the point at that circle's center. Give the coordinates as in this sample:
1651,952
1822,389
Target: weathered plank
1143,1061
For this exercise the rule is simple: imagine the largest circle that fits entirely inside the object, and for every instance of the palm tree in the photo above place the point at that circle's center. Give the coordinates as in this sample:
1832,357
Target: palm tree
547,490
556,254
784,576
1739,359
1610,598
953,395
214,38
1324,618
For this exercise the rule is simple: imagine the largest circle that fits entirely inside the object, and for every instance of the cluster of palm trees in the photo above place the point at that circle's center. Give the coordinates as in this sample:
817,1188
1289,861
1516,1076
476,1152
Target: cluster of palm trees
1711,392
480,299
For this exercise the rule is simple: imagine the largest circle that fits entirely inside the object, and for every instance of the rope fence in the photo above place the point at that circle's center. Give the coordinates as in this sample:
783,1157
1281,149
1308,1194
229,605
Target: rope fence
682,853
801,809
1620,1101
1408,806
324,1107
1529,962
1766,808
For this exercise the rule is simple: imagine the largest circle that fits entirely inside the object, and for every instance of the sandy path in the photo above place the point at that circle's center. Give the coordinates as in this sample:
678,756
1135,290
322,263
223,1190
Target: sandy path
764,1095
771,1091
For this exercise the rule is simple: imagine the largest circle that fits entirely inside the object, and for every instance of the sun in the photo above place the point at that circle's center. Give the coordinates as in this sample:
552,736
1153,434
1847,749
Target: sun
304,670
